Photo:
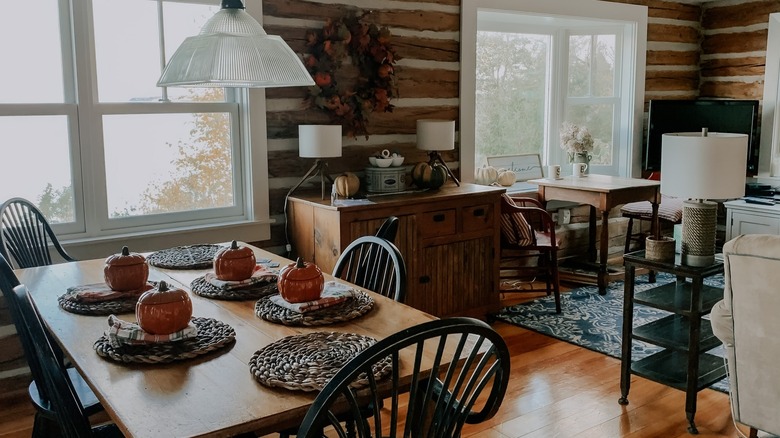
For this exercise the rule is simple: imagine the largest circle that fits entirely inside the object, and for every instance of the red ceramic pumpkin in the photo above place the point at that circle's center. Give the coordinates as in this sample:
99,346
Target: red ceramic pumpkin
235,263
163,310
126,271
300,282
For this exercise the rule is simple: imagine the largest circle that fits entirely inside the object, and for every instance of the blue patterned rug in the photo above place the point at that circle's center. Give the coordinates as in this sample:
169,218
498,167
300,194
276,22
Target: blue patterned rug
595,321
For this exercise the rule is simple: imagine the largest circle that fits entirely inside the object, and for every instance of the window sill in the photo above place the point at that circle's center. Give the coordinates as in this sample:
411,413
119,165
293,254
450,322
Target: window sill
96,247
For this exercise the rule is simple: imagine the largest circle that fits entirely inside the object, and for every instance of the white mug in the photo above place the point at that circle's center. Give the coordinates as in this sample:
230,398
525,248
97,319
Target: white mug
578,169
554,171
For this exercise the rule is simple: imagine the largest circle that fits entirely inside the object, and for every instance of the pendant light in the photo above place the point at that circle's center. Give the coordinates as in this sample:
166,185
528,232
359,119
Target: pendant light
233,50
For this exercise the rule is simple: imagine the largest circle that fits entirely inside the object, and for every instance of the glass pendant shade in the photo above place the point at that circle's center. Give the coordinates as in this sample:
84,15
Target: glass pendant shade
233,50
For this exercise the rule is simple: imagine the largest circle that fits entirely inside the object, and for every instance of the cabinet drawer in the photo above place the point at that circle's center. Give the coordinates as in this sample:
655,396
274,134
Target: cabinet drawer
437,223
477,217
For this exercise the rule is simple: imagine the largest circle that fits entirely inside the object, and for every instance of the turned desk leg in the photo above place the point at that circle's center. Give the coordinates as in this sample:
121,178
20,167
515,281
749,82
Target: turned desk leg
603,253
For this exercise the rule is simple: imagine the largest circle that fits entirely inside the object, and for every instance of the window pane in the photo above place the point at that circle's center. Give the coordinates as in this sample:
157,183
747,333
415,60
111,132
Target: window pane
31,53
579,65
165,163
39,169
127,47
598,119
511,90
604,81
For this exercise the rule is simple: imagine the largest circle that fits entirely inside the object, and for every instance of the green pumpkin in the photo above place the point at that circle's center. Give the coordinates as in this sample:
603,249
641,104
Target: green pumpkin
428,176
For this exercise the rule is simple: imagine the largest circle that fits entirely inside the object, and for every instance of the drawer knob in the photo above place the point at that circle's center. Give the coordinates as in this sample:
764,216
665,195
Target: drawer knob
438,217
425,279
479,212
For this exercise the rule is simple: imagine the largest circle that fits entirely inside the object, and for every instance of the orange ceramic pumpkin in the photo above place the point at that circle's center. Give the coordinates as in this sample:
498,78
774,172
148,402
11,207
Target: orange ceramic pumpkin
300,282
163,310
234,263
126,271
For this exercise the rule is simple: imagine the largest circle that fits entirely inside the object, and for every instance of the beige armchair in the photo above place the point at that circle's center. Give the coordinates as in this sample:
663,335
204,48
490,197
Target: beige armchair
747,320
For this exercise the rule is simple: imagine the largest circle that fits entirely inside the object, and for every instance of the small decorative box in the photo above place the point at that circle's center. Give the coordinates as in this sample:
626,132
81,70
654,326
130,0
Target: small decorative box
386,179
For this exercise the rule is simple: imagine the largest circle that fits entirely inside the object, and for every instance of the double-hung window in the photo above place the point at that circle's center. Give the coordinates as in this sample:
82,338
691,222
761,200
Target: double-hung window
538,64
88,136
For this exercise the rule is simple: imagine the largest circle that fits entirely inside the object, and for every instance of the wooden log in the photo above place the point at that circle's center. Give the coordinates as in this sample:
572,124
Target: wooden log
672,33
672,57
736,42
671,80
403,120
733,90
667,9
752,66
430,20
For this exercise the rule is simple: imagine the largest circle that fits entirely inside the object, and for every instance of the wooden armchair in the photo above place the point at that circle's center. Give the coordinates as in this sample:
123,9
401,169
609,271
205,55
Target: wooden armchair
529,249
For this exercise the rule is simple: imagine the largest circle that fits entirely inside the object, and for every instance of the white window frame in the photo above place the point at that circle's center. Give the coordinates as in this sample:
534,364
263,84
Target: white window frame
93,233
632,18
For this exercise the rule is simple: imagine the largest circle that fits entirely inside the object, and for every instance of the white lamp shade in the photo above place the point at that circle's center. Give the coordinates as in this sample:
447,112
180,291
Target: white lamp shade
233,50
435,135
319,141
698,167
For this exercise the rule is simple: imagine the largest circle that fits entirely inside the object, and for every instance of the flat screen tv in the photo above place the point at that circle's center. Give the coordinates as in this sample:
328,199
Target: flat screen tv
733,116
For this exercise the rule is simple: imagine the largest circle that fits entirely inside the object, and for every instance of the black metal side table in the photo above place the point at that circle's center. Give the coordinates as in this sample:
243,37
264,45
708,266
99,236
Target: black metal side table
685,337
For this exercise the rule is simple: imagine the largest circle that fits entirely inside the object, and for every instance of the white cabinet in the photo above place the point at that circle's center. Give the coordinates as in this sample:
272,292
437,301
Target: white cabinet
744,218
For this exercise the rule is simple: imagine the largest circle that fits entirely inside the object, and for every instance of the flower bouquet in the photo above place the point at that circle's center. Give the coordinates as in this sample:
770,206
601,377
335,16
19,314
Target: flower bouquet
576,140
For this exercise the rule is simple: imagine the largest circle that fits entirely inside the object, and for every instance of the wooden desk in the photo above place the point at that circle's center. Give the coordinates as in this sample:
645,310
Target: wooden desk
601,192
214,395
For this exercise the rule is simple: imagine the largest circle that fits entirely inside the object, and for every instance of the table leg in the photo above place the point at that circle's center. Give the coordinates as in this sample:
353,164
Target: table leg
628,317
693,354
592,235
603,253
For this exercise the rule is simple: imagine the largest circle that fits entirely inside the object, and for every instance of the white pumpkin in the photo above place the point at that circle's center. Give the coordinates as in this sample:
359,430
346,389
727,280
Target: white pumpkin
506,177
485,175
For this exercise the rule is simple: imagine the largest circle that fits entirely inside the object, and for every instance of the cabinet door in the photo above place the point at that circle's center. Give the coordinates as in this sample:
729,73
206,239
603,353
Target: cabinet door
752,223
456,278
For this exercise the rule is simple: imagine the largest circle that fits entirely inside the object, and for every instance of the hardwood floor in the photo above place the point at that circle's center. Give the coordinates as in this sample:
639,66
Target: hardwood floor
556,390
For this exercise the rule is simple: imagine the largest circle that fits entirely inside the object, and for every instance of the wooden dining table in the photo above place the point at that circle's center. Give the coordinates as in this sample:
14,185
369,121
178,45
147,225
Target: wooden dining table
211,395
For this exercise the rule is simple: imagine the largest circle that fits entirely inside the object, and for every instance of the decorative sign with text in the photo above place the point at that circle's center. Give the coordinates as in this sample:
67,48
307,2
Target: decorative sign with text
525,167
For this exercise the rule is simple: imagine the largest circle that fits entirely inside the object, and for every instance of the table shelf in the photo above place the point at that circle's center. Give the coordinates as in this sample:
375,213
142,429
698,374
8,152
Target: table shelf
676,297
673,332
670,368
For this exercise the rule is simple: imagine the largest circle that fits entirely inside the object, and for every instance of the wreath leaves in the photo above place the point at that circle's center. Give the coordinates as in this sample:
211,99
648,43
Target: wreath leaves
369,49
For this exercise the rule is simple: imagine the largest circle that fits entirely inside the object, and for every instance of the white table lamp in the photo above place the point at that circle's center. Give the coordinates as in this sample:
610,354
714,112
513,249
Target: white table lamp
701,166
318,141
436,135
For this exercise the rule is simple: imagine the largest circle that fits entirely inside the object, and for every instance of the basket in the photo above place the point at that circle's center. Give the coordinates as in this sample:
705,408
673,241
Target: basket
659,249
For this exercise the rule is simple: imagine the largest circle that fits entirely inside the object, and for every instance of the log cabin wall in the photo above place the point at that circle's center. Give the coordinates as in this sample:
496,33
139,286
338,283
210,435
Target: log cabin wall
734,48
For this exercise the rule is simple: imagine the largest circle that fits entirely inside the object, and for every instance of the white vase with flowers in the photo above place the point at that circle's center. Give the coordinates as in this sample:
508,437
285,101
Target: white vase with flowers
577,142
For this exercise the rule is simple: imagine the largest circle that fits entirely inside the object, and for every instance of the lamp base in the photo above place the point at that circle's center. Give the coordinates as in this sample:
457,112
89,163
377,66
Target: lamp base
698,233
434,156
320,168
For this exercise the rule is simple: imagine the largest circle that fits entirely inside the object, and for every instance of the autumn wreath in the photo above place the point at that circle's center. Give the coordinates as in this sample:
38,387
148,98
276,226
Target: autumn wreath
373,57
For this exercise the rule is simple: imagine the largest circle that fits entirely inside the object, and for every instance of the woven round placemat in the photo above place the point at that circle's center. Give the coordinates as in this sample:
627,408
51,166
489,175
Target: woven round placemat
307,362
350,309
102,308
184,257
200,286
212,335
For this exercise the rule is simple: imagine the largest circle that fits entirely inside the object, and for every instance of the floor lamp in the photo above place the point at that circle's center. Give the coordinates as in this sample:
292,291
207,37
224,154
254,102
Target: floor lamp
318,141
434,136
701,166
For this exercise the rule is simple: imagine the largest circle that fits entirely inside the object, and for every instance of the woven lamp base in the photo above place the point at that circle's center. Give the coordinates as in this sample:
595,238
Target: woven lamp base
698,233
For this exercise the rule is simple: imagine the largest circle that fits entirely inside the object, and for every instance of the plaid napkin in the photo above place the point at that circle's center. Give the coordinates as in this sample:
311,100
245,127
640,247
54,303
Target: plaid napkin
121,332
100,292
259,275
333,293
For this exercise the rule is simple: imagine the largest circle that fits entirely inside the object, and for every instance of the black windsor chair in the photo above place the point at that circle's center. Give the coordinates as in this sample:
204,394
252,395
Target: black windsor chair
26,235
375,264
467,359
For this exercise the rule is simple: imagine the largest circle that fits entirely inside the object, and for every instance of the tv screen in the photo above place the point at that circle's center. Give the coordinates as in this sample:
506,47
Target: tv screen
733,116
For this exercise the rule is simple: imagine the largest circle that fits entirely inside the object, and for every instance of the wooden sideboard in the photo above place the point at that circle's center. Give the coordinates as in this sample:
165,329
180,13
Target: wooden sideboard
449,239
